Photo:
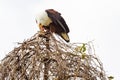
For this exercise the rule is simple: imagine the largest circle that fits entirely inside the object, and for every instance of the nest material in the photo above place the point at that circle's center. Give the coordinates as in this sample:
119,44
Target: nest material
42,57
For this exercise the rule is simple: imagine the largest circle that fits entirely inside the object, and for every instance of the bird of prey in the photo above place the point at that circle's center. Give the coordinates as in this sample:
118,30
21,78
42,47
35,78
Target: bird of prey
52,20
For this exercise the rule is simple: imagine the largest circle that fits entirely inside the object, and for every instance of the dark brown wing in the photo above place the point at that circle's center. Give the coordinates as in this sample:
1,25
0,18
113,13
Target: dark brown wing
58,21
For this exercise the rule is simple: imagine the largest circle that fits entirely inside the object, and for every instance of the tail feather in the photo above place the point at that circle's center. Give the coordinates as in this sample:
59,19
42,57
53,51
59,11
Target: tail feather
65,36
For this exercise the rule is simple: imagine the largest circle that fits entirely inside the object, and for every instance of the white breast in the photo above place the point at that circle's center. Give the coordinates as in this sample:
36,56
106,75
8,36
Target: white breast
42,18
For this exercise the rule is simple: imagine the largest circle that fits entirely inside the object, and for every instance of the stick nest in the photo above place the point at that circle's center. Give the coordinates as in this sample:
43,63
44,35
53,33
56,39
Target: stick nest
43,57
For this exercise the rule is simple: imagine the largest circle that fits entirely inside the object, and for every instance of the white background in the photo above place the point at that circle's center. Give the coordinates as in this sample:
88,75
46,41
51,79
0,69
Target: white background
88,20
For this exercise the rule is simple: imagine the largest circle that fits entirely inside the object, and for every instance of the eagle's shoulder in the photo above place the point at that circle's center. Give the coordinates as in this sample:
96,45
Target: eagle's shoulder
52,11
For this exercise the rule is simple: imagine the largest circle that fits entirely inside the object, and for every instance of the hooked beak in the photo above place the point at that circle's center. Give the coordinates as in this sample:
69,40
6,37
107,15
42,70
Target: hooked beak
41,27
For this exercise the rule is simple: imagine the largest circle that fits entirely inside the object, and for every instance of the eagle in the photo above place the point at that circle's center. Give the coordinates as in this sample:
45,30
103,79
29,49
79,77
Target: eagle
52,20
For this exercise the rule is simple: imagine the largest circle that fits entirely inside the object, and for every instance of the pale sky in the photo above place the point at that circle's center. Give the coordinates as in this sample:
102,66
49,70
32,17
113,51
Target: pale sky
88,20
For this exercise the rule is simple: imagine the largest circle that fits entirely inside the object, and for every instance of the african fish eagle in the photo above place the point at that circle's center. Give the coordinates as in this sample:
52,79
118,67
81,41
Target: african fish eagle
53,21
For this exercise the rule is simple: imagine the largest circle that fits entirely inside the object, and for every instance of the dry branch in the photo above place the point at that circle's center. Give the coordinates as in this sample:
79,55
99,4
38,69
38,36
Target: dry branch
42,57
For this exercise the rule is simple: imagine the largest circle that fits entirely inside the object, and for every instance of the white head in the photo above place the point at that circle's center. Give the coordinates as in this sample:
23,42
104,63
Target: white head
43,19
